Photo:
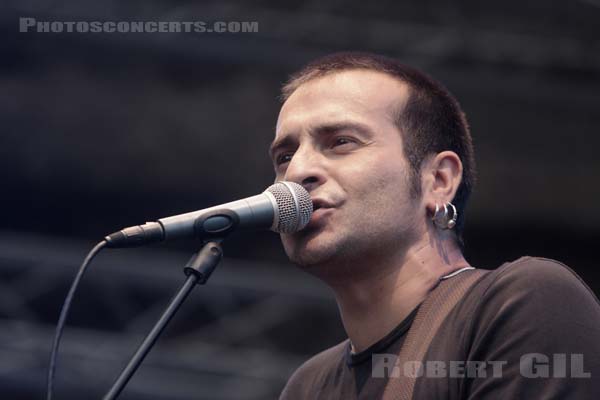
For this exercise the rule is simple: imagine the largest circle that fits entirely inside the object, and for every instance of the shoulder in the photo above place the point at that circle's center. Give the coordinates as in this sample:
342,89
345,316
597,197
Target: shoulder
523,315
537,279
538,266
310,375
530,298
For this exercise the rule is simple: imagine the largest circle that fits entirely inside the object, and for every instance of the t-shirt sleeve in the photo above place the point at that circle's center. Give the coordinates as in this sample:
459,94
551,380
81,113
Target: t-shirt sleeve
537,325
297,386
309,380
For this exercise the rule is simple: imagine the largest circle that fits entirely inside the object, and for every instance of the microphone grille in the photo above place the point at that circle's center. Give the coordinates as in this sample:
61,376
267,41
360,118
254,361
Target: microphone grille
294,206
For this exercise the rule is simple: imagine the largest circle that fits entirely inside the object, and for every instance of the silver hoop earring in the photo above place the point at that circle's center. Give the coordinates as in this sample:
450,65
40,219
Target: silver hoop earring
452,221
442,220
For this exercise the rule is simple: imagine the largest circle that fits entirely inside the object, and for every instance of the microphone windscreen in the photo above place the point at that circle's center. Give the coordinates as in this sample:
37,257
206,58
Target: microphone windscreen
294,206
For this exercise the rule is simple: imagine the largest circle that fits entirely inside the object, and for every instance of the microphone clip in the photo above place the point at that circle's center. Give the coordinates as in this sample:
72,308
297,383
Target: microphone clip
217,224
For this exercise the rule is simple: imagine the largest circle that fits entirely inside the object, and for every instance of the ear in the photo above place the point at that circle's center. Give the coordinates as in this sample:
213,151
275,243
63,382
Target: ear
441,175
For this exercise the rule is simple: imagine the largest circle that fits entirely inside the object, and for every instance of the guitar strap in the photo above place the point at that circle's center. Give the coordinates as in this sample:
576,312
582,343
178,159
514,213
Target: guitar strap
432,312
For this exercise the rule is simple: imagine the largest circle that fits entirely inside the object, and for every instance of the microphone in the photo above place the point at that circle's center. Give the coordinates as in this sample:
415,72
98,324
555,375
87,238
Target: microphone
284,207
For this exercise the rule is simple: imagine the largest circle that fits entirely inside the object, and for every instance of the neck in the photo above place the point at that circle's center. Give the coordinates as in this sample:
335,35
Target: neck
371,305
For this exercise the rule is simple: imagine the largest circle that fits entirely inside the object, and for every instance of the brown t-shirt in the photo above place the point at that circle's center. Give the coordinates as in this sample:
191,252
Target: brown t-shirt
527,330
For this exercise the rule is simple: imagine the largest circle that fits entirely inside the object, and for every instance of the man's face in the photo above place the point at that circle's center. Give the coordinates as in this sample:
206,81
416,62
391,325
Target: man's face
336,136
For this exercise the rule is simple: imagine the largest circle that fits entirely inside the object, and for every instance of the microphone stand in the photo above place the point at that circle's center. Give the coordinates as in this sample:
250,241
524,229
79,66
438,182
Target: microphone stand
198,270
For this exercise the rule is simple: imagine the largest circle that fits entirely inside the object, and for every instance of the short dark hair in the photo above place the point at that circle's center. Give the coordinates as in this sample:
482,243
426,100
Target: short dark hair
432,120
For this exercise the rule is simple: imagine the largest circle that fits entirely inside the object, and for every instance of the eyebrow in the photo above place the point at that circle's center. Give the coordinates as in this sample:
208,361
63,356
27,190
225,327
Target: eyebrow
286,141
322,130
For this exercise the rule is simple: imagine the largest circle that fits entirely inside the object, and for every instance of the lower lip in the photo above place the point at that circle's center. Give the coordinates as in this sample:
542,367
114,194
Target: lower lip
319,215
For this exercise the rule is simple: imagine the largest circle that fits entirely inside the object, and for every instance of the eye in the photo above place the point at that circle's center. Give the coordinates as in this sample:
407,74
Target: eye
343,142
283,158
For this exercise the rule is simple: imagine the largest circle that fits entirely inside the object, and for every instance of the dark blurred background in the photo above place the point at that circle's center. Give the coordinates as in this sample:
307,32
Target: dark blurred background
105,130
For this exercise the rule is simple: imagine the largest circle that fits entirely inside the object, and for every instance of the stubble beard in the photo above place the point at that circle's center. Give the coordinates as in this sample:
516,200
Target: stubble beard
341,256
320,253
340,251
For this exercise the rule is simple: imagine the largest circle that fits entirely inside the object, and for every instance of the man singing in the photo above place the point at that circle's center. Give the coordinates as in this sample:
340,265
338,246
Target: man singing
386,155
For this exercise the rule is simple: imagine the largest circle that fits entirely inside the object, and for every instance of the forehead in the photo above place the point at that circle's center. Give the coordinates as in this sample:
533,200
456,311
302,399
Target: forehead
362,95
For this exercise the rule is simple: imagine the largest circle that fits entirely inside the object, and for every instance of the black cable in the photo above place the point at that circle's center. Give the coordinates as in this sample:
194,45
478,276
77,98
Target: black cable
63,315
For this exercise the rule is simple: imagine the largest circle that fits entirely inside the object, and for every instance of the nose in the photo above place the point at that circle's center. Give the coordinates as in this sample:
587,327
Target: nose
307,168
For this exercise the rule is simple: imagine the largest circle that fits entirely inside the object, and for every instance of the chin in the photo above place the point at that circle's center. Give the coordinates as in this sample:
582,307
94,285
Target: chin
307,258
318,256
308,252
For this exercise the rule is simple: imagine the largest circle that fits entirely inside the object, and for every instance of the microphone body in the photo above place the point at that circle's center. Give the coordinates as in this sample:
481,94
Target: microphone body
284,207
253,212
